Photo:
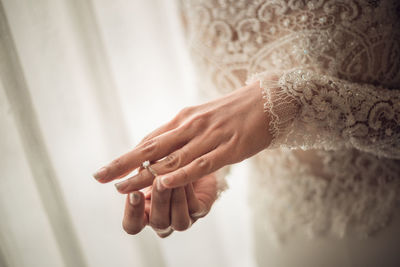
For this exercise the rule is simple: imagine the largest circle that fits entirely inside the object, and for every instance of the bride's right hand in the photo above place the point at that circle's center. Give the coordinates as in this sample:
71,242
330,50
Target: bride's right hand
166,210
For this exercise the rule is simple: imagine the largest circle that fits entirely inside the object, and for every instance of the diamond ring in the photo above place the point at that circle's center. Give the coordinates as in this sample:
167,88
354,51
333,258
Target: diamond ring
147,166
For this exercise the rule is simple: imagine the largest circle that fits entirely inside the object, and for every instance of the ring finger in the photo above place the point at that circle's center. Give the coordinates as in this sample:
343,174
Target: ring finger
172,162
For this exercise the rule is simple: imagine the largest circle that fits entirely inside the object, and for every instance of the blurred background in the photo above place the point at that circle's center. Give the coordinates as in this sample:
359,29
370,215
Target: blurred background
82,82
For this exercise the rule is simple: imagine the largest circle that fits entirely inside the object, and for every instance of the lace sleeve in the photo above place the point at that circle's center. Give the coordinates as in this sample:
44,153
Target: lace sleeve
310,110
220,175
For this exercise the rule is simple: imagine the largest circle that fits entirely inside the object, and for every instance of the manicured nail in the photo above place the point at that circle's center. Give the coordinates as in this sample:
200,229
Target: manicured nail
134,198
121,185
198,214
166,180
100,174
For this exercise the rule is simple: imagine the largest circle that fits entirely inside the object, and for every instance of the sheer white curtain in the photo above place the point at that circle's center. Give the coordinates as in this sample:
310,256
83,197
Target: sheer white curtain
80,83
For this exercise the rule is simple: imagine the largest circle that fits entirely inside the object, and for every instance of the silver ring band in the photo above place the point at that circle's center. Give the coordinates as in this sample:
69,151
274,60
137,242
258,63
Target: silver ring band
147,166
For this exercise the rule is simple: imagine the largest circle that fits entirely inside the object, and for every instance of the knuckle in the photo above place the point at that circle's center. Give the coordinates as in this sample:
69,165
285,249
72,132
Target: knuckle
218,131
182,115
186,111
145,139
149,147
204,164
234,140
172,162
231,148
183,175
199,120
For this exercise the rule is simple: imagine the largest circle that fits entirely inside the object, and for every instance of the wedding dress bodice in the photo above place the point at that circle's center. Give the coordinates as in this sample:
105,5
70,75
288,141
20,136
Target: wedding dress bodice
330,74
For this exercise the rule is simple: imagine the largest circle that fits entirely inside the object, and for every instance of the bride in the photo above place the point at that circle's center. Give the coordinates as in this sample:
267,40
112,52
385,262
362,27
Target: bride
309,90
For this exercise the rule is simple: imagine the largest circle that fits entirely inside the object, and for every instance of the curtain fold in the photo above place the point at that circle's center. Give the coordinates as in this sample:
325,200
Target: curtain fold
17,92
81,82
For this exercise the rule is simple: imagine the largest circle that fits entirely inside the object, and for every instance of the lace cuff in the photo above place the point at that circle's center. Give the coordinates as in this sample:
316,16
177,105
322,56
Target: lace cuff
309,110
220,175
281,107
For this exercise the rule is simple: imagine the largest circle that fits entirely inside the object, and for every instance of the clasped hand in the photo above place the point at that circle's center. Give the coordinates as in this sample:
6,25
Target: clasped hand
193,145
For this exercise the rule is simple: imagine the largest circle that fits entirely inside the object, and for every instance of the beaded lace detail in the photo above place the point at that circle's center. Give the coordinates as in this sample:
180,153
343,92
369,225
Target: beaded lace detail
311,110
330,73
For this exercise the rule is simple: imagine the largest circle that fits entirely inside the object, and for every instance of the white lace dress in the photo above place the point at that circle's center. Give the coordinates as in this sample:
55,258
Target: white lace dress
327,190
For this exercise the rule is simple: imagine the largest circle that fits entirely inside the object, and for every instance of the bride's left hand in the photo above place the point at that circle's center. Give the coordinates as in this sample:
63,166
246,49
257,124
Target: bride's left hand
198,141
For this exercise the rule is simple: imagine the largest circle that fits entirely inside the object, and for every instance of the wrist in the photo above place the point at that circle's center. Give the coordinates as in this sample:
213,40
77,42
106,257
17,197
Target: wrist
280,107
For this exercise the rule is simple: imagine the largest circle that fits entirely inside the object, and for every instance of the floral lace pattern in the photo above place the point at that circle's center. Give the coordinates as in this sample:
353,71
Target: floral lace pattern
349,193
329,113
335,103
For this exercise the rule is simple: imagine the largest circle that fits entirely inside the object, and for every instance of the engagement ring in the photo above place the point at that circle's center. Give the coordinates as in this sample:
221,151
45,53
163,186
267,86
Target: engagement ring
147,166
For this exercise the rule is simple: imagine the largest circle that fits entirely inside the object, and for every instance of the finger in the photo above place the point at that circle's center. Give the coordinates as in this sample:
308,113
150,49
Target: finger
165,234
179,158
205,195
198,168
168,126
134,216
192,201
180,219
160,208
162,234
164,128
147,206
152,150
147,192
139,181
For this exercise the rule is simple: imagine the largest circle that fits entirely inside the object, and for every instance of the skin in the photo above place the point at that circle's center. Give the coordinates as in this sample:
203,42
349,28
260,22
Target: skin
178,208
187,150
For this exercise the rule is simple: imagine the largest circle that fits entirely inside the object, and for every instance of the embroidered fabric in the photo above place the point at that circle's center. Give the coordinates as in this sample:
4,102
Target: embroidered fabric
222,185
330,73
311,110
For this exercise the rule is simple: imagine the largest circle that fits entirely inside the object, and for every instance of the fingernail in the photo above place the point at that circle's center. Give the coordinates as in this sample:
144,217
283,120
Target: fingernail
100,174
198,214
166,180
159,185
134,198
121,185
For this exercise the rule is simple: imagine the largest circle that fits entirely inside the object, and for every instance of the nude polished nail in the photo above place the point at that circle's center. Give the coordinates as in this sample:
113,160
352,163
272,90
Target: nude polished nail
101,173
134,198
121,185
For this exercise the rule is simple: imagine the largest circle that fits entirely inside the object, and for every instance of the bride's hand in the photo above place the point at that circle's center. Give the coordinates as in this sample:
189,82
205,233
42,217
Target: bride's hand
166,210
198,141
